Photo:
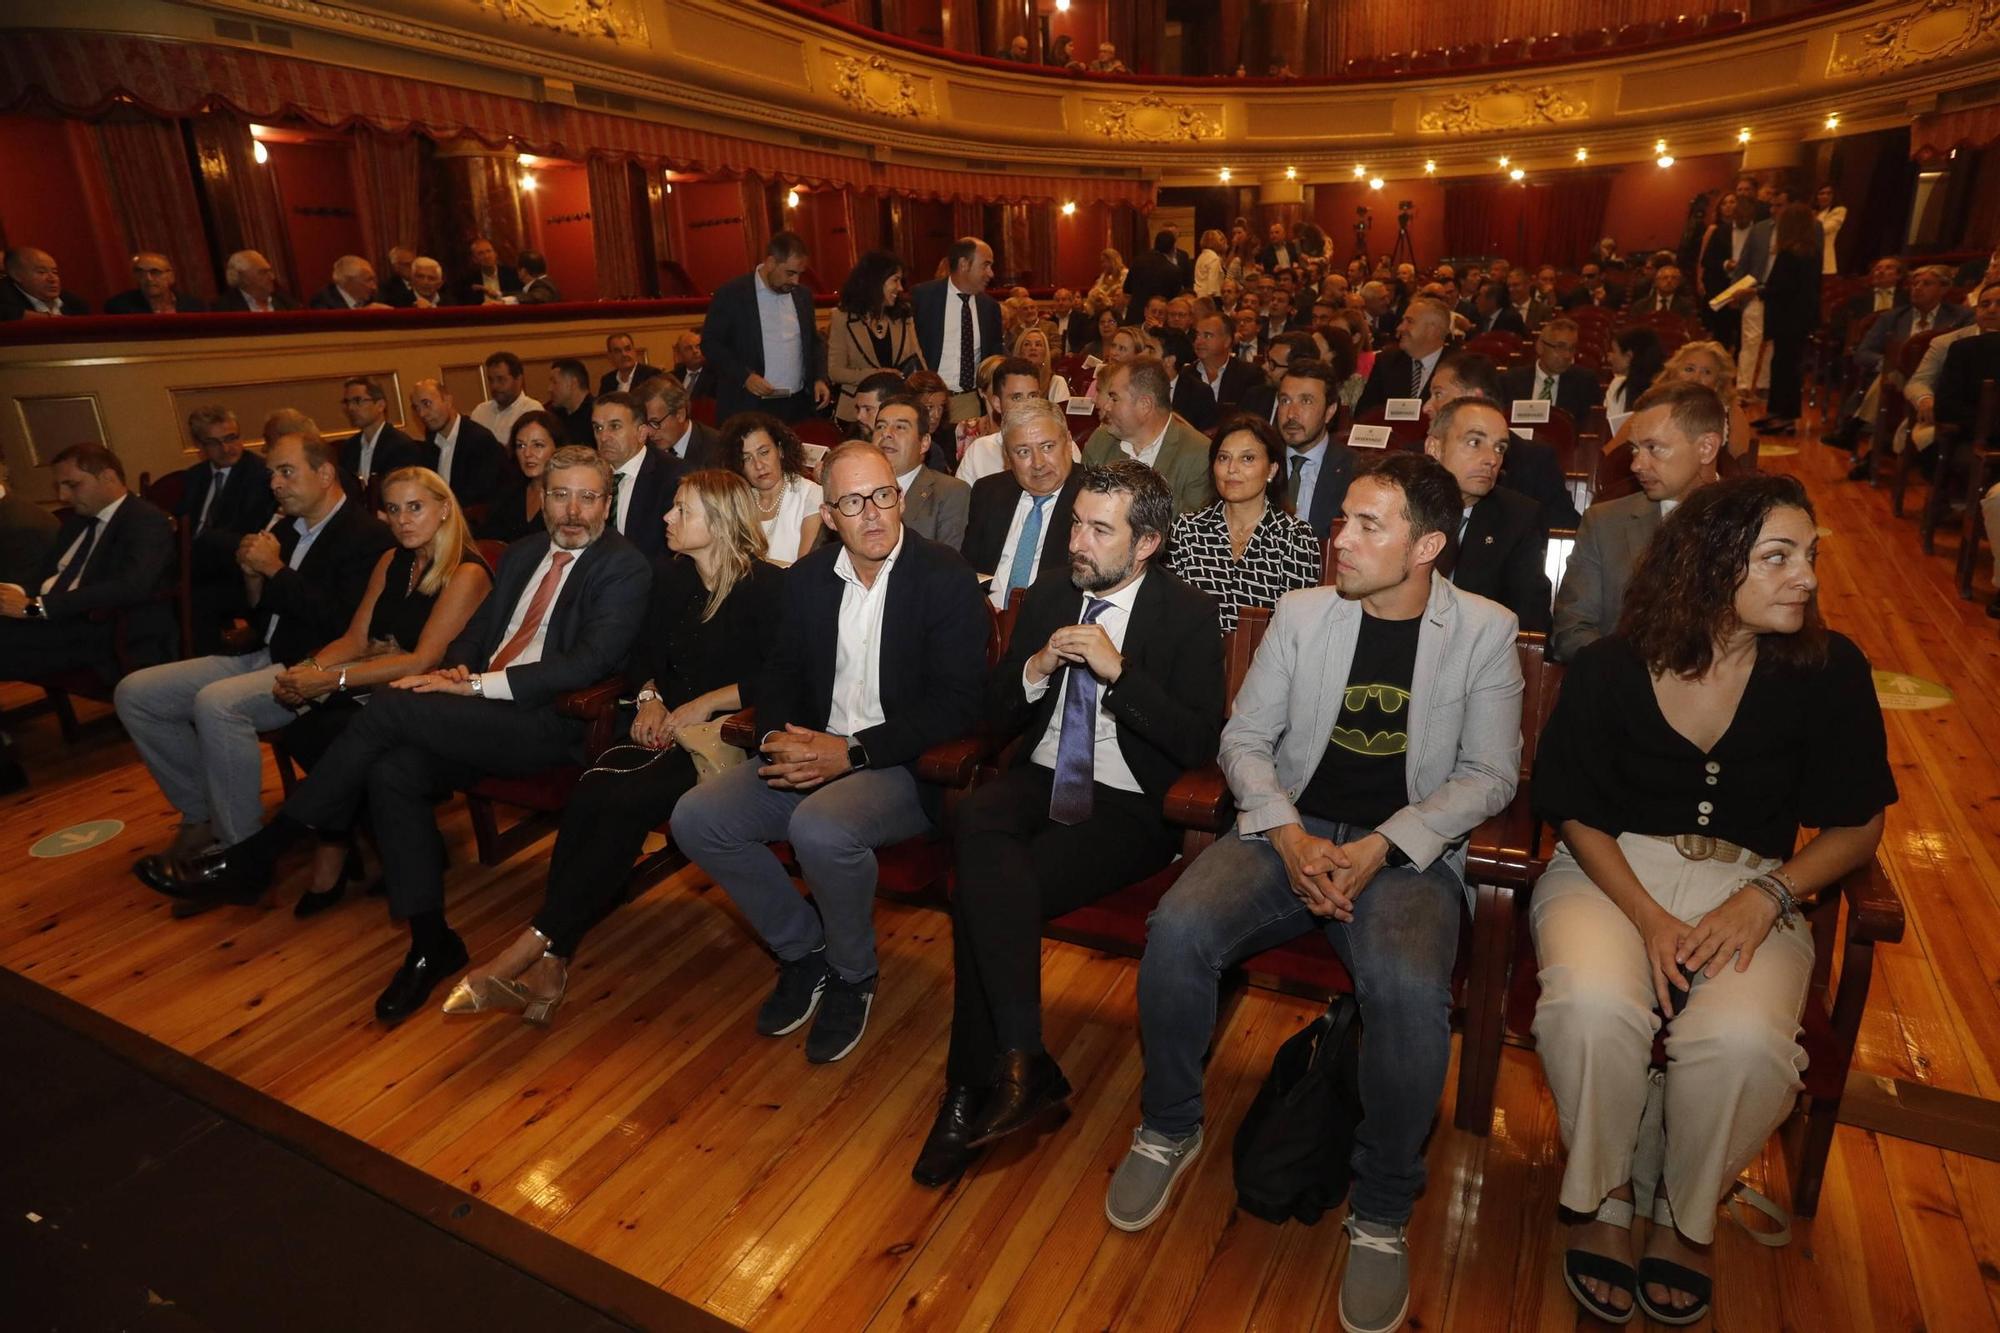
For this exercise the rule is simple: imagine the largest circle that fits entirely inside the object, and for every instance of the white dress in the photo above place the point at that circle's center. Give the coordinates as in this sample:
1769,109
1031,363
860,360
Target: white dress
1829,224
801,500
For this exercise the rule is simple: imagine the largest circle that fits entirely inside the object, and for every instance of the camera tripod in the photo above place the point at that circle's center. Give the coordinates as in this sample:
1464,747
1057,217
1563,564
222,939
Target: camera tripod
1403,252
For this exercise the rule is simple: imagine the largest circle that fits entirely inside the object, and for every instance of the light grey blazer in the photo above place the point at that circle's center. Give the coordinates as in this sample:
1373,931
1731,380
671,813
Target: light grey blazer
1609,541
1464,758
936,505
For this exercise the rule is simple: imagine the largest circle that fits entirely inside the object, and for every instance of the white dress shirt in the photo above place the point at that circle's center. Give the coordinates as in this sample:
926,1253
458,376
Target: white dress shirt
500,420
954,309
623,378
308,534
681,445
857,657
1215,384
369,439
493,684
1108,761
628,474
446,441
1150,455
101,518
1430,365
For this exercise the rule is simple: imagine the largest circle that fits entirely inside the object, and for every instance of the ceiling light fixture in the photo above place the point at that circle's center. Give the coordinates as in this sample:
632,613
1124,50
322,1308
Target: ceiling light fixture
1517,175
524,159
1505,162
1374,182
1583,155
1069,208
528,181
1664,160
1659,145
1291,173
1359,171
1743,135
1833,121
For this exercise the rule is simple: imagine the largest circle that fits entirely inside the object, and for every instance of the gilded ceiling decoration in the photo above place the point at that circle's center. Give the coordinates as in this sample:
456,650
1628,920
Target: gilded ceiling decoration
614,20
1503,106
1153,119
1933,30
874,85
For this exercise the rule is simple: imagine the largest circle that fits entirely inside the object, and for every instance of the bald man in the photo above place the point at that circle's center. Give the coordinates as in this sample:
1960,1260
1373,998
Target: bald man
153,291
33,289
352,288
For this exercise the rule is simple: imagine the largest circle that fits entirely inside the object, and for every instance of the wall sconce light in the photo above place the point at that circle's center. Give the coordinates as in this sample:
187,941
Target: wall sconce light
1505,161
1743,135
259,151
791,199
1833,121
1359,171
1583,155
528,181
1062,6
1374,182
1665,159
1223,175
524,159
1430,168
1291,173
1069,208
1517,175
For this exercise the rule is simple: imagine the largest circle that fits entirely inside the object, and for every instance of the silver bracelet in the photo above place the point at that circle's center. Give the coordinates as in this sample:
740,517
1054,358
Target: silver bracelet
1787,905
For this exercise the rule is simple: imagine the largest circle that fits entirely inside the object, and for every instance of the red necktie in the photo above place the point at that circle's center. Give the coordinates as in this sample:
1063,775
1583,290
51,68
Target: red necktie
538,607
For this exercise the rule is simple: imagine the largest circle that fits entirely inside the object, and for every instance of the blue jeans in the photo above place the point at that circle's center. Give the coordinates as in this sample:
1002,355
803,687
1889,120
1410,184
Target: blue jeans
1236,900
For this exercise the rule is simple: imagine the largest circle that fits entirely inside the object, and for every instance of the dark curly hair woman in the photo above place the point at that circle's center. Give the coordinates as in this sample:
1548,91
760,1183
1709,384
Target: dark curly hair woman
764,452
1684,754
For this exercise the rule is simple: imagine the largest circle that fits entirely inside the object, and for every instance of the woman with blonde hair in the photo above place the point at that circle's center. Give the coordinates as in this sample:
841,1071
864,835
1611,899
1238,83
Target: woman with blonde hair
421,594
706,634
1208,265
1108,292
1032,345
1705,362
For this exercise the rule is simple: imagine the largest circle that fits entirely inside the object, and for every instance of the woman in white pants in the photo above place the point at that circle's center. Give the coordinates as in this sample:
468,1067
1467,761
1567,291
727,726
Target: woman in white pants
1682,758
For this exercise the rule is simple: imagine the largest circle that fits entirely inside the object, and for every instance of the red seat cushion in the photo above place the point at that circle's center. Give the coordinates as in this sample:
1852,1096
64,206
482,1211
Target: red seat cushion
548,790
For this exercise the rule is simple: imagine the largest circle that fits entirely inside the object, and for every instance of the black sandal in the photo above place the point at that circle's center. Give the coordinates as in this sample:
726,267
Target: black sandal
1581,1264
1674,1277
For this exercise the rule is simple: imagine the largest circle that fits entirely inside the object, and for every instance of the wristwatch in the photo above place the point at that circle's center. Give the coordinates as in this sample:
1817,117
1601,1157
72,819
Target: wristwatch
34,610
478,686
1396,856
648,693
857,757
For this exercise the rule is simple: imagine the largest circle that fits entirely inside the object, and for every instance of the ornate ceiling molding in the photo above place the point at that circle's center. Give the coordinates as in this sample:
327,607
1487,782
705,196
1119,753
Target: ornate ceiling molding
613,20
1153,119
873,84
1933,30
1501,106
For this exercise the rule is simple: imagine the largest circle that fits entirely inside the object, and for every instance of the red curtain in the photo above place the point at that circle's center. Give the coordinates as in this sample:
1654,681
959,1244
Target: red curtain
1937,135
1548,222
612,219
152,188
1384,27
242,199
387,170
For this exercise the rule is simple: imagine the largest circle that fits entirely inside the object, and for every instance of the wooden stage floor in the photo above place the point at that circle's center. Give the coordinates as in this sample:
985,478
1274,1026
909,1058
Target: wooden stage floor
651,1128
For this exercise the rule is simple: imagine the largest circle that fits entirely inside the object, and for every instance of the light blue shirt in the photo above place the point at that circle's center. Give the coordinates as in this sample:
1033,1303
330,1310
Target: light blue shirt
1308,479
784,349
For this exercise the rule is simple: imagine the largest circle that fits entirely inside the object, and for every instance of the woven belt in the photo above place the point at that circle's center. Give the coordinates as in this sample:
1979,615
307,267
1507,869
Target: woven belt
1702,847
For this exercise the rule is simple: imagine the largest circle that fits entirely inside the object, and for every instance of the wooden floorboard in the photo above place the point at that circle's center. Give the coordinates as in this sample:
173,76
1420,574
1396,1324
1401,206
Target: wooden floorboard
649,1127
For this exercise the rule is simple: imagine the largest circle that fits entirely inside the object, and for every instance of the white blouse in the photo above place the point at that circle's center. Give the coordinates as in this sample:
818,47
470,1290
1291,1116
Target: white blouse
801,501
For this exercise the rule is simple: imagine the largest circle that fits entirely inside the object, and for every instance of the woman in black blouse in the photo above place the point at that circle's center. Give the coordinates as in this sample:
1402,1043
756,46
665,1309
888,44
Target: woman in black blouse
1683,756
1246,549
518,510
420,596
714,607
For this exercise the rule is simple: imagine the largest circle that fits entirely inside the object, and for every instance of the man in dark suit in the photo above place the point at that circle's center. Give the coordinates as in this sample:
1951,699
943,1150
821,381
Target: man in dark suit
767,313
252,286
396,290
1530,466
225,497
1153,274
1192,401
376,448
457,448
565,607
628,370
1884,293
1226,376
1317,467
934,503
1526,300
1405,370
195,723
1261,398
1594,290
352,288
958,324
487,281
1555,376
1970,362
1069,325
1018,521
1249,339
537,288
1079,812
881,654
152,291
1492,314
33,289
643,480
1501,551
568,399
1278,252
672,429
691,365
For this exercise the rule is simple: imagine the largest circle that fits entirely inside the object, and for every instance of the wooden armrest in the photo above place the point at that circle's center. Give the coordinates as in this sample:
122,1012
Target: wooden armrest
1200,799
1874,912
592,702
953,763
1501,850
740,729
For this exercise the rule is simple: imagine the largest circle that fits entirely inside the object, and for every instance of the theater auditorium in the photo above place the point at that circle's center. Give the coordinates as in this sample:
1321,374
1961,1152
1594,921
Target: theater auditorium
1000,664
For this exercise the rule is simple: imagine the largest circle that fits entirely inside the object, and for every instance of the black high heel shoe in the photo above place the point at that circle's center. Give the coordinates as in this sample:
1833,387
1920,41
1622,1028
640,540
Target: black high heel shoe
311,903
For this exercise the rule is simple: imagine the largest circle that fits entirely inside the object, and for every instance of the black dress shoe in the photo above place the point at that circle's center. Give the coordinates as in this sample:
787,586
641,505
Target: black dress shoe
1029,1084
311,904
948,1149
1859,472
419,975
225,875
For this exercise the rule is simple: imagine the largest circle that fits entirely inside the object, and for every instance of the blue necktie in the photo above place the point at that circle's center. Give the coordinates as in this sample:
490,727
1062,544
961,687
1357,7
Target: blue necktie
1022,570
1076,747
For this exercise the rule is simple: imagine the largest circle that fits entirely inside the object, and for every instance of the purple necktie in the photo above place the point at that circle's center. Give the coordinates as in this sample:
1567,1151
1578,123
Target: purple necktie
1076,746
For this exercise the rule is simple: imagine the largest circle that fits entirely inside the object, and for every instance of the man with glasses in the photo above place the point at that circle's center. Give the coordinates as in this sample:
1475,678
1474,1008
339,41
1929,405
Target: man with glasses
643,480
152,291
672,429
226,497
881,654
1555,377
376,448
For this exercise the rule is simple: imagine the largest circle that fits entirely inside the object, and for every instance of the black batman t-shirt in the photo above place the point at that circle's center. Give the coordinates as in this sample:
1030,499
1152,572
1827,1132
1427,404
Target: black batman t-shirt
1360,780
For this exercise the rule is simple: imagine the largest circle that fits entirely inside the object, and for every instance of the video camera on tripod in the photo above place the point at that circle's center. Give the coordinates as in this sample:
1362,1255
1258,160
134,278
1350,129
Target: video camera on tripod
1362,221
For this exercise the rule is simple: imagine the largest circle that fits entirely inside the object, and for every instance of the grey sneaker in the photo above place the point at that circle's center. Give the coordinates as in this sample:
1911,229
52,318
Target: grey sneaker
1375,1290
1145,1180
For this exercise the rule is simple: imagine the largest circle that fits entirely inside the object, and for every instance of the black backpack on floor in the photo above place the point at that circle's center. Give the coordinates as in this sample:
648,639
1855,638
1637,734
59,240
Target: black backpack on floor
1293,1147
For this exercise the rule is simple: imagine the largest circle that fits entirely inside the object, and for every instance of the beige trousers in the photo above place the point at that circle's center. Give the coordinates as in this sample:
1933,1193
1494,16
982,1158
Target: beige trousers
1753,354
1733,1055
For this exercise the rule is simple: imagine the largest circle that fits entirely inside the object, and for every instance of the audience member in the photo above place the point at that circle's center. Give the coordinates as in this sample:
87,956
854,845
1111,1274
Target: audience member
1247,333
1500,549
1137,406
1529,467
958,324
1527,301
764,452
224,498
1186,393
1683,755
1636,358
458,448
396,290
1968,363
1592,289
1928,310
1032,345
871,393
1077,813
517,512
1493,314
1791,314
628,369
1014,381
1108,291
1278,251
507,399
26,529
252,285
487,281
762,340
1884,292
643,480
1067,323
34,289
1721,244
427,291
840,699
1246,549
1676,435
1919,424
1555,377
1317,467
1261,399
1226,377
1107,61
1106,328
871,330
153,291
537,287
352,288
1405,370
1426,744
691,365
1017,49
936,398
671,427
705,638
934,504
1018,519
1153,275
377,447
569,400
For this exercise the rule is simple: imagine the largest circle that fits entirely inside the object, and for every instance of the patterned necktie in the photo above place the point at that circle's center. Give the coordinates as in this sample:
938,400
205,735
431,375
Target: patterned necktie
73,571
217,479
1297,479
966,368
1021,572
618,484
1416,378
538,607
1548,393
1070,796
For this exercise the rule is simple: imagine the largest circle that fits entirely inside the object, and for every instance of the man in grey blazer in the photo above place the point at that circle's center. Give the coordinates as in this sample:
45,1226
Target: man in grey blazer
934,503
1676,432
1379,725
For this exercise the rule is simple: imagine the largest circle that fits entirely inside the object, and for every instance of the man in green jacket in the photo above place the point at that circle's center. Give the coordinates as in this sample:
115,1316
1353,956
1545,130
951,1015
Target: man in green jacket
1139,422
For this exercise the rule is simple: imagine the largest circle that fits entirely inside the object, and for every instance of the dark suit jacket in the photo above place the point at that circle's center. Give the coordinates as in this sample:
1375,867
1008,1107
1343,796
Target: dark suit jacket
1967,363
1260,400
469,290
1168,701
1531,468
1577,390
1152,274
927,301
1614,296
393,449
245,506
652,495
540,292
1897,323
1504,320
1336,471
329,298
932,651
1268,257
394,291
699,381
704,447
991,514
26,529
478,462
134,303
129,567
1504,557
575,425
315,603
733,341
233,302
591,627
1075,335
14,302
1193,400
608,382
1238,378
1390,378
